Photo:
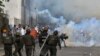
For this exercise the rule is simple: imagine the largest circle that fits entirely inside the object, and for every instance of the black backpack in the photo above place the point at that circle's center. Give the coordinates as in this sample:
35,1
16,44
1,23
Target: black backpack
8,40
52,40
28,40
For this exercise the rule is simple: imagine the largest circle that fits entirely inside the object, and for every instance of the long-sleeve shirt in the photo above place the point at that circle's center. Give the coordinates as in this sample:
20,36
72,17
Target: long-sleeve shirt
28,40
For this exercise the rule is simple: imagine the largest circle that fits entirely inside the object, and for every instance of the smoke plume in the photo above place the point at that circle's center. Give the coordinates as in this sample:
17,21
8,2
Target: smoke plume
70,9
81,28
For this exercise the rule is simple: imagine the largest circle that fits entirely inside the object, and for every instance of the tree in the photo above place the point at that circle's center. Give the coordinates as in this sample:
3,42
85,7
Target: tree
3,18
1,13
1,8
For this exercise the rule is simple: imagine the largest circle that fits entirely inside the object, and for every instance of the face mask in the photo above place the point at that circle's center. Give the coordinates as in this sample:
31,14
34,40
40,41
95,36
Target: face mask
4,34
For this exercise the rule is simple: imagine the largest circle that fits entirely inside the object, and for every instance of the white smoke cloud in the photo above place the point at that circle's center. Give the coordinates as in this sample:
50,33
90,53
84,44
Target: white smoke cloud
45,17
74,8
83,33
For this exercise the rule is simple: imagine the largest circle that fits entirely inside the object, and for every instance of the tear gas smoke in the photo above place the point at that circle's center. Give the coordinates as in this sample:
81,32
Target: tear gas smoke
84,33
45,17
81,29
70,9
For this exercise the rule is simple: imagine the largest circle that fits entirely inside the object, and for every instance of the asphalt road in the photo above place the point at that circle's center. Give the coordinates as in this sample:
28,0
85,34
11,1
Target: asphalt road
69,51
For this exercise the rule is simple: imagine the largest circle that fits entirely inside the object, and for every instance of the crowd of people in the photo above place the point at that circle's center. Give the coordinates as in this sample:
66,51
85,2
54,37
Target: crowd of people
26,37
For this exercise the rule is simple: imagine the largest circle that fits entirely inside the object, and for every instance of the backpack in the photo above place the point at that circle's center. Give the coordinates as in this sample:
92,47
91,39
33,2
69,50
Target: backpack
18,40
28,40
52,40
8,40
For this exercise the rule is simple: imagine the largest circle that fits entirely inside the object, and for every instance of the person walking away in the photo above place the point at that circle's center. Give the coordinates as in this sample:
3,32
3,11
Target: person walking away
18,45
51,44
29,43
34,35
43,35
63,37
7,40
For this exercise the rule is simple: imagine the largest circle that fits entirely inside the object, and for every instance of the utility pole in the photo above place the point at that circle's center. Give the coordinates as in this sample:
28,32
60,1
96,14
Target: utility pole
36,12
23,12
30,16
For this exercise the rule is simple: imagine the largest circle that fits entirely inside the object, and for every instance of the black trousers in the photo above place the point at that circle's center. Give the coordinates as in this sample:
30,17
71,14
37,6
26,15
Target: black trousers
8,49
44,50
33,50
17,50
28,50
52,49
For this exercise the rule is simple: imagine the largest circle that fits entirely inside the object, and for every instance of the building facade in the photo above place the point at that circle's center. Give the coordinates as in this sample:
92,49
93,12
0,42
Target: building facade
20,12
28,13
13,10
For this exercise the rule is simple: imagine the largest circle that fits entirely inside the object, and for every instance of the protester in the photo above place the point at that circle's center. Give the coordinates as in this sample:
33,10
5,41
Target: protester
29,43
63,37
23,31
34,33
43,35
8,41
51,44
13,31
18,45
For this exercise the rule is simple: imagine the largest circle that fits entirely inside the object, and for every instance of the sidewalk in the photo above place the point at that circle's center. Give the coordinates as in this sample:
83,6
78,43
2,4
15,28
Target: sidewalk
1,50
1,47
23,52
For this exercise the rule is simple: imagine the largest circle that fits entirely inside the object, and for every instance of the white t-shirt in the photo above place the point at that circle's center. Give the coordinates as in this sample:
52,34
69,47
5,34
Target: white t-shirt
23,31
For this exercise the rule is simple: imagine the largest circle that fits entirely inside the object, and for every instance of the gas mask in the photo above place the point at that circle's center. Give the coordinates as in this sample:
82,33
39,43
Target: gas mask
4,34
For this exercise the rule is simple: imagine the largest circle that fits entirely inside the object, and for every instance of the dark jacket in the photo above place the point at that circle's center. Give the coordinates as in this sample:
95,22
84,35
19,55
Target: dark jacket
28,40
7,40
53,40
63,36
43,35
18,41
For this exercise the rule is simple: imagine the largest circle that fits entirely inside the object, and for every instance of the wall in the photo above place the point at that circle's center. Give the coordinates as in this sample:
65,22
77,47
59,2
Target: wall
13,9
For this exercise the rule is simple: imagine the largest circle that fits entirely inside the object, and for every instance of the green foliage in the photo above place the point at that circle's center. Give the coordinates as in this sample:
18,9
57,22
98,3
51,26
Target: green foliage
3,19
1,7
1,3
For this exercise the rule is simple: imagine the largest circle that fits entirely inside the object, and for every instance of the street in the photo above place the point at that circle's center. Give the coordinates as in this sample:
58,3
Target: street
68,51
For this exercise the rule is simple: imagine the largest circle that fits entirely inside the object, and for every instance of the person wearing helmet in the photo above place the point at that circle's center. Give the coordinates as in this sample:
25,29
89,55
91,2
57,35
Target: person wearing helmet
18,45
8,41
42,36
29,43
63,37
51,44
